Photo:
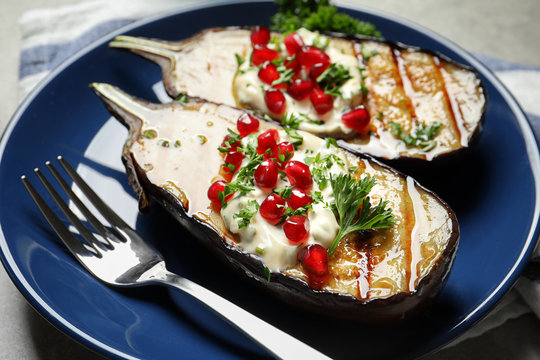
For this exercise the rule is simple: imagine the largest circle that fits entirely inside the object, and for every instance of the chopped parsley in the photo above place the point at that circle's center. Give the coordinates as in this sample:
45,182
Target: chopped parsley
244,178
332,78
354,208
267,272
234,139
149,134
285,75
420,137
283,191
320,166
331,142
182,99
290,124
368,54
316,196
240,60
245,215
321,42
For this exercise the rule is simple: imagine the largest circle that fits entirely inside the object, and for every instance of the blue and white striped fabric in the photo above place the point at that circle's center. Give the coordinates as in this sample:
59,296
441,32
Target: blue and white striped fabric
50,36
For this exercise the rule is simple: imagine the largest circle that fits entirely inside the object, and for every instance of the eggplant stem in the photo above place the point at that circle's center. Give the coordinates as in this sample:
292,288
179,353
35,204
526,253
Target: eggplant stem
153,47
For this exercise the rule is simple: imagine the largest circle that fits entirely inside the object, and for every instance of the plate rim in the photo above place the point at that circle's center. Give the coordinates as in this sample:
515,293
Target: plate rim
530,140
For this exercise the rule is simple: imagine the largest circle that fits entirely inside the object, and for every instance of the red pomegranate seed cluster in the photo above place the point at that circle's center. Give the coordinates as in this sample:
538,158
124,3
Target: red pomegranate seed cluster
277,157
305,61
308,64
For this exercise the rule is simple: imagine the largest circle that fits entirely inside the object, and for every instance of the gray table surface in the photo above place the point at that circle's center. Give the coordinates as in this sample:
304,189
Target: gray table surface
508,30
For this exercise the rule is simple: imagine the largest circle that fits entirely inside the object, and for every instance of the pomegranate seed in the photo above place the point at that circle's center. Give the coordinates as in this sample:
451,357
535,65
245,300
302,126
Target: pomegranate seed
247,124
268,73
314,259
296,229
284,153
261,54
234,160
316,70
298,174
272,208
292,63
230,144
217,186
321,101
299,89
275,101
298,199
266,174
357,119
268,140
310,55
293,43
260,35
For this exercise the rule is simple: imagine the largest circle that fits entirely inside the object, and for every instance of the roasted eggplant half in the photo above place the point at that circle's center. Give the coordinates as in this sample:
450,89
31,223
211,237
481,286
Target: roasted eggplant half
276,204
378,97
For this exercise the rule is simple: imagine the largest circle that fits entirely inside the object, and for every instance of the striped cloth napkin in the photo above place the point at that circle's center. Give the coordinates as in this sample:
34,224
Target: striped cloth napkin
50,36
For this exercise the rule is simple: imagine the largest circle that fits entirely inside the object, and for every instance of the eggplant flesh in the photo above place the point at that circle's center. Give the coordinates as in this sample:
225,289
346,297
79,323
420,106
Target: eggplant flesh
379,276
401,86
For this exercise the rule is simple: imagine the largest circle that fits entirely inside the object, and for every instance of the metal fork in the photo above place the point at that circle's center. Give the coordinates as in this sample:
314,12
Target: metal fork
122,258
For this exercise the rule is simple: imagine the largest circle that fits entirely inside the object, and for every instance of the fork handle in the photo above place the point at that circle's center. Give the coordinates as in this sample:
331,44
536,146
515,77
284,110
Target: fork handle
276,341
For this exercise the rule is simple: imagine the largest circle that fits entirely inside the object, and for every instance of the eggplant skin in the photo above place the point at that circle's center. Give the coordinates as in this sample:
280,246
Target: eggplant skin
465,129
291,290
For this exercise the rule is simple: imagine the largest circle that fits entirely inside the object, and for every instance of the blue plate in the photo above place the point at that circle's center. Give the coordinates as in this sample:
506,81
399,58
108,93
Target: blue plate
493,191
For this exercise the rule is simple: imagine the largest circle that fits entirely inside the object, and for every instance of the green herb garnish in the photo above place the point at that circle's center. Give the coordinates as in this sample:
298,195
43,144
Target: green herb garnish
332,78
351,197
267,272
368,54
182,99
317,15
245,215
320,166
240,60
285,75
331,142
283,191
316,196
290,123
420,137
149,134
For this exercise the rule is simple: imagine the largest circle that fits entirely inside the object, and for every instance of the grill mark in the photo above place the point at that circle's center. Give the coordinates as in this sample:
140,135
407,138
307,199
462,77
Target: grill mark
453,105
405,82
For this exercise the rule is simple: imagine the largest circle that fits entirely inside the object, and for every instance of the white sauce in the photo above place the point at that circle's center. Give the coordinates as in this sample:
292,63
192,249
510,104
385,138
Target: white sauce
269,241
250,89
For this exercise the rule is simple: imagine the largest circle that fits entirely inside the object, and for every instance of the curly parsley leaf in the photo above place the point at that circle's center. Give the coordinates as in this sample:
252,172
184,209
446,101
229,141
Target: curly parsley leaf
351,197
317,15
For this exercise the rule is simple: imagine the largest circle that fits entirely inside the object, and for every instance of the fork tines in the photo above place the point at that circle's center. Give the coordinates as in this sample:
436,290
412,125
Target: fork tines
93,243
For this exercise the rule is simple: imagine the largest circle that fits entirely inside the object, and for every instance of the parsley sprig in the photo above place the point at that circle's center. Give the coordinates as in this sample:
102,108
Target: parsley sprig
351,196
420,137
